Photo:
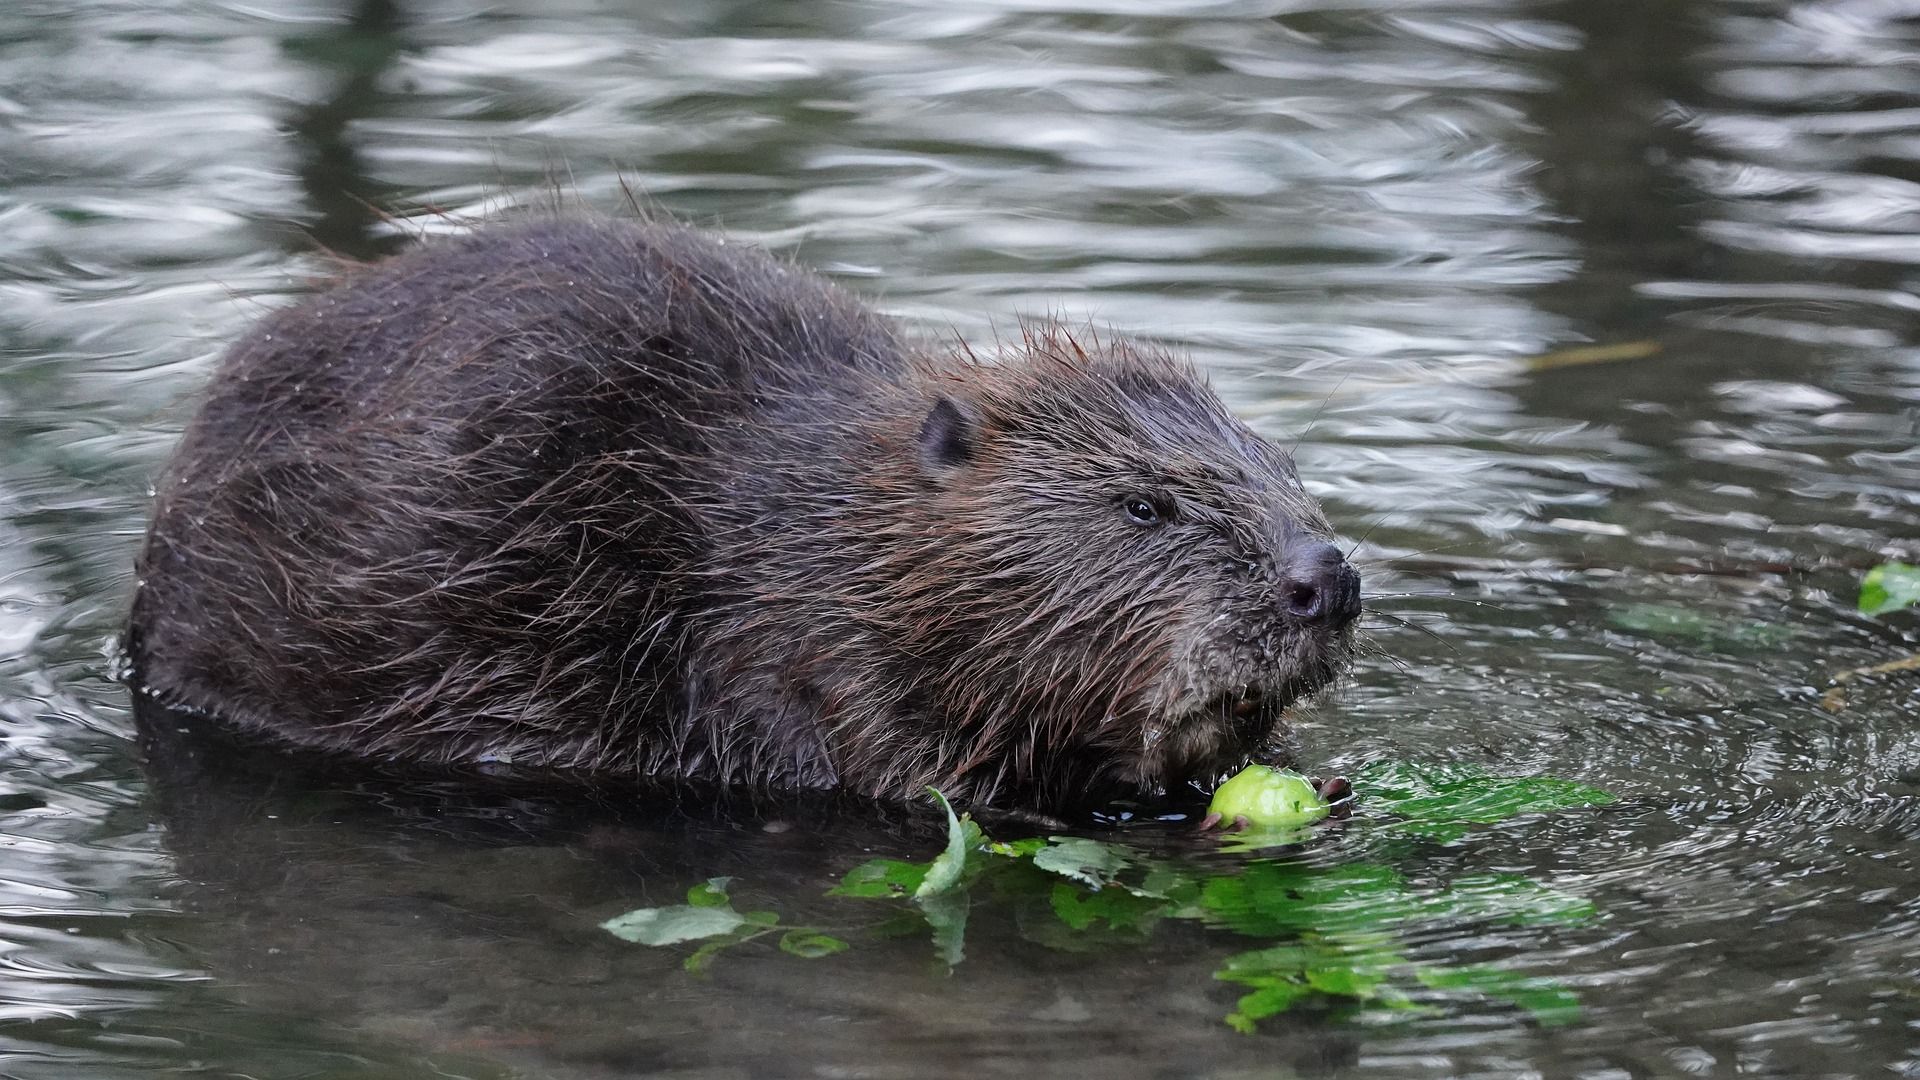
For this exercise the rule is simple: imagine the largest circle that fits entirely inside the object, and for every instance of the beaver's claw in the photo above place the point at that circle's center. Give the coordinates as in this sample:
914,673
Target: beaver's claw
1336,792
1215,822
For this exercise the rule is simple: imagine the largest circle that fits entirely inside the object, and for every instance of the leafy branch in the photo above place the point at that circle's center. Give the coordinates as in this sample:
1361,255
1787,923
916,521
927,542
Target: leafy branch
1332,934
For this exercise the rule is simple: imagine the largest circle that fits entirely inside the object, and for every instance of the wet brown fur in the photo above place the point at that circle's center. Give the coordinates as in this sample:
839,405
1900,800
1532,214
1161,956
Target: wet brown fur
619,497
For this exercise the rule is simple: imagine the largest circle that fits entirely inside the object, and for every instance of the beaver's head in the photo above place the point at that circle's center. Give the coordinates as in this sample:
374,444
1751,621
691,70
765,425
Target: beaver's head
1112,579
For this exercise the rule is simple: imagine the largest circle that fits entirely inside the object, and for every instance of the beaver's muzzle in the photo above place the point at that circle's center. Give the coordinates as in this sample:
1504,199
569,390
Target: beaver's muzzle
1318,587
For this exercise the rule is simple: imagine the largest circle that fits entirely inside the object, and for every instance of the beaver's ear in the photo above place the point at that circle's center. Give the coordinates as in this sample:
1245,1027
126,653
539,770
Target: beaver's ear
948,437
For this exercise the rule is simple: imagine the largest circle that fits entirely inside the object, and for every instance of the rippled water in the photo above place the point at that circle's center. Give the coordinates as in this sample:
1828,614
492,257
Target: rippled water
1386,227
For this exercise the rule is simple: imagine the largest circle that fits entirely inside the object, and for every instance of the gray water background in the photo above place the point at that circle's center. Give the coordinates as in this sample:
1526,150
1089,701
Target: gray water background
1366,219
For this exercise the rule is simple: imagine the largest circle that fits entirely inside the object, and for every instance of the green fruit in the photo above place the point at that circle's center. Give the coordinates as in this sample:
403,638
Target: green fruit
1269,798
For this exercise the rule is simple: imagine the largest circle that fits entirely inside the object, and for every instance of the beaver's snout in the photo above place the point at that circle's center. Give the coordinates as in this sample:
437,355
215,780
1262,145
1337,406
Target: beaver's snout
1318,587
1236,676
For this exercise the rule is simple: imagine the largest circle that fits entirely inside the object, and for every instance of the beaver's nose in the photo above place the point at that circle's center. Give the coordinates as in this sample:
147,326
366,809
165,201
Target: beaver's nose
1319,587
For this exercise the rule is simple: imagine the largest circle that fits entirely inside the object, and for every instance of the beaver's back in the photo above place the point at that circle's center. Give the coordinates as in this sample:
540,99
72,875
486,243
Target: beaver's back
446,509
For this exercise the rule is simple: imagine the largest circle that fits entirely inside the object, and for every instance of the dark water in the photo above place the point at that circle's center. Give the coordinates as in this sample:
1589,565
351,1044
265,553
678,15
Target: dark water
1369,219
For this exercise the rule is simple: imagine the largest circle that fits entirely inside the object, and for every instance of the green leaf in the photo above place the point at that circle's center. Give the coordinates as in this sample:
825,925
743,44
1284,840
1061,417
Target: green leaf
1889,587
1546,1000
1277,900
1438,800
702,958
944,873
1513,899
709,893
1119,909
1016,849
1280,899
1163,882
947,913
1088,861
669,925
902,923
877,878
810,944
1269,1000
1663,620
1357,969
1259,965
1688,624
1360,984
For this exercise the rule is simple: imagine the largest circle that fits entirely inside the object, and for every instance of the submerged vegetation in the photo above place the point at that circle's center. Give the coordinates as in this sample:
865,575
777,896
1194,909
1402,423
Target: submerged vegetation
1890,586
1339,934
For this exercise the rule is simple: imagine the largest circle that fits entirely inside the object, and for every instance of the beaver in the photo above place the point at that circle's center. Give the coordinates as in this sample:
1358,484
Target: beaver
626,498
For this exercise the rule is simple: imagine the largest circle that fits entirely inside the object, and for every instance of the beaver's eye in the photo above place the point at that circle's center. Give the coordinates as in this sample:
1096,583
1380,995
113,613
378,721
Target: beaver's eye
1141,510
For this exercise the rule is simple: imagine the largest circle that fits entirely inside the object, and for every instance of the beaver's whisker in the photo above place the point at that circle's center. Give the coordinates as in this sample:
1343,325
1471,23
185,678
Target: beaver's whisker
1365,536
1442,597
1315,418
1410,625
1386,561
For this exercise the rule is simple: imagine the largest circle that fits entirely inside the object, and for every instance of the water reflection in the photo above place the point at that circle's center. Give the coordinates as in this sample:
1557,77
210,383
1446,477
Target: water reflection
1366,218
332,173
